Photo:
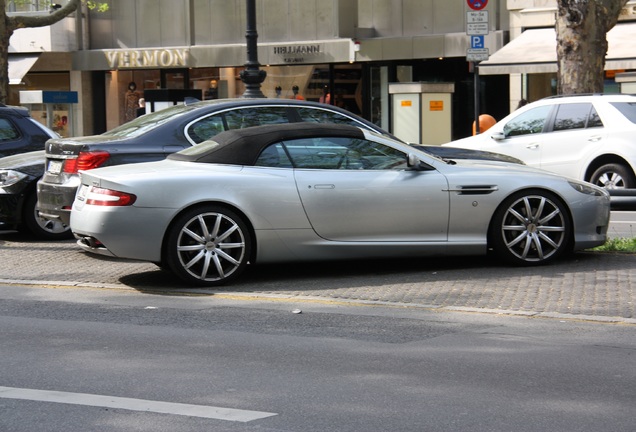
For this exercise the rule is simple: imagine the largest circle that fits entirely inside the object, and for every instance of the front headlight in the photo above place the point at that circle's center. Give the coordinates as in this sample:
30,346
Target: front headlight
588,188
10,177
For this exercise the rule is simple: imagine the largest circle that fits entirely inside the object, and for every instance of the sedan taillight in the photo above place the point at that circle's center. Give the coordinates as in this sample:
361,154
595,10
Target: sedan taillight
85,161
108,197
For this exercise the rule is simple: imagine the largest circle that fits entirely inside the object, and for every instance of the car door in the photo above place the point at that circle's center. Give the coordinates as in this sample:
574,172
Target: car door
522,136
360,190
576,131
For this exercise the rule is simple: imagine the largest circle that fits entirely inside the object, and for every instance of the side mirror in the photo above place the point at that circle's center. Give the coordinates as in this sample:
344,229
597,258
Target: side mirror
498,136
414,163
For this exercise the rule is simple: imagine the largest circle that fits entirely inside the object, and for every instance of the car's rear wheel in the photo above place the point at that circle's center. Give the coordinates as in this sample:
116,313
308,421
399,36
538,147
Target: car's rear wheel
208,246
531,227
614,176
39,227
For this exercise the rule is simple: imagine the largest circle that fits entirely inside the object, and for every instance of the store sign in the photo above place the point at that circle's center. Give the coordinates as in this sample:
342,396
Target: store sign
298,53
147,58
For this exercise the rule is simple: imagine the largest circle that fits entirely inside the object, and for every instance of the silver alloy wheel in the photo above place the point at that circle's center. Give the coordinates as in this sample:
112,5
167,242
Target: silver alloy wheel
614,176
534,228
211,247
611,180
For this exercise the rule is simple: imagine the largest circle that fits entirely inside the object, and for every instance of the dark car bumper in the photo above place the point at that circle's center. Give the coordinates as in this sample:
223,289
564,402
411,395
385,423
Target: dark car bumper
55,201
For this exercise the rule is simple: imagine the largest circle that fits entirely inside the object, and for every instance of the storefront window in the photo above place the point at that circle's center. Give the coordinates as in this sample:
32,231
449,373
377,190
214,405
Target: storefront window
338,84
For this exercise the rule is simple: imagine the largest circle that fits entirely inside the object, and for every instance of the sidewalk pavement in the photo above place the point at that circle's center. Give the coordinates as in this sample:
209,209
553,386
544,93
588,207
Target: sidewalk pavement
586,286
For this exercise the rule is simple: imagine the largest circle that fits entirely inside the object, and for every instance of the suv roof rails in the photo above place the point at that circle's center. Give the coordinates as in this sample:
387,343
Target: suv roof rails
588,94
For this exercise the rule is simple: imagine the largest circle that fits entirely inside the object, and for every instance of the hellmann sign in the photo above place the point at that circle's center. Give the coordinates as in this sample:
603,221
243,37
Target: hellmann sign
148,58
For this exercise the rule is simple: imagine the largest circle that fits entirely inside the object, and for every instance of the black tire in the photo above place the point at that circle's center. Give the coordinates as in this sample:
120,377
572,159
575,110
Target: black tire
208,246
614,176
42,228
530,228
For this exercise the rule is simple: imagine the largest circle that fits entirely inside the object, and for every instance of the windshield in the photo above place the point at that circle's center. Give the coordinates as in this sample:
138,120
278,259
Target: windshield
150,121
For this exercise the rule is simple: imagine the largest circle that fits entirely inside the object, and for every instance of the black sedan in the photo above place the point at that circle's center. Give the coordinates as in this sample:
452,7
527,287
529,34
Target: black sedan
18,178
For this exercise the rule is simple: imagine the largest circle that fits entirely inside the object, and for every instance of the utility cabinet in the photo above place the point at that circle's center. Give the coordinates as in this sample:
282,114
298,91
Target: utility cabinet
421,112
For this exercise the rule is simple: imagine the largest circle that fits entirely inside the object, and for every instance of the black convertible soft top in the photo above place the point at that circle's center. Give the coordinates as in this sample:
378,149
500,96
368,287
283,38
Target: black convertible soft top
243,146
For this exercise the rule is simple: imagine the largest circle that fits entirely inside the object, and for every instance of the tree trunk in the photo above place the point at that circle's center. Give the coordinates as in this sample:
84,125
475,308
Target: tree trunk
581,31
8,24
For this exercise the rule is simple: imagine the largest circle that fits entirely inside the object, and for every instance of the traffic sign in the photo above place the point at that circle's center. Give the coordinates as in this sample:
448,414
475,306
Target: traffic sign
477,55
477,4
477,42
477,23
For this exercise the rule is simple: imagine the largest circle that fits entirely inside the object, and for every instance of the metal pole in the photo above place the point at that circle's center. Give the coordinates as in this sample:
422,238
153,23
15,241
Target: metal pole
476,79
252,76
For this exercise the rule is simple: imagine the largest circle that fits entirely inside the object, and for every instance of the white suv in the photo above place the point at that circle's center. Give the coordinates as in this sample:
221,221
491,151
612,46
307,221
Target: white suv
588,137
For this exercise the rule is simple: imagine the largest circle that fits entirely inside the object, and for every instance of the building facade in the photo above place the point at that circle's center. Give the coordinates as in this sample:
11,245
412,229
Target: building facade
350,50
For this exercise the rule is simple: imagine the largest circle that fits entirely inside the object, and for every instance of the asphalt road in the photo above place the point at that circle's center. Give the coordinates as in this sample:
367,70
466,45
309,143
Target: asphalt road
78,359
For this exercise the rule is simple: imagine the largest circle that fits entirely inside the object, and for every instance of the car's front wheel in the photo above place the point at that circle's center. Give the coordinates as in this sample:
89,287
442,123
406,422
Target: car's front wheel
614,176
42,228
208,245
531,227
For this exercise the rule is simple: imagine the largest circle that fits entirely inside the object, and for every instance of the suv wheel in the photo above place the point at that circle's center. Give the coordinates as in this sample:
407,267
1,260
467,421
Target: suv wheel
614,176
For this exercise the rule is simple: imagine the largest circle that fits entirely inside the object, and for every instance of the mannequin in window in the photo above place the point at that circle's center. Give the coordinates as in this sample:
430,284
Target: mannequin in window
131,102
296,95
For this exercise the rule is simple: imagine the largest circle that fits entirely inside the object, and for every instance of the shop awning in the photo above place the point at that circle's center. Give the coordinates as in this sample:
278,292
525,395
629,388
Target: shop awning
19,66
534,51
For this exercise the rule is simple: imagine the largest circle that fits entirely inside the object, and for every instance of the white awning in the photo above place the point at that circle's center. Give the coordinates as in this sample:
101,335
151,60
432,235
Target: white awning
19,66
534,51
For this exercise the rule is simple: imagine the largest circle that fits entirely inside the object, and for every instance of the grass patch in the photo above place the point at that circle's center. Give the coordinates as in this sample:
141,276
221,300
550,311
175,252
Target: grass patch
618,245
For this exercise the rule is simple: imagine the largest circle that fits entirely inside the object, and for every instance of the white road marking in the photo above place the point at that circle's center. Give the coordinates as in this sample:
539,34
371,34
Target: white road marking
130,404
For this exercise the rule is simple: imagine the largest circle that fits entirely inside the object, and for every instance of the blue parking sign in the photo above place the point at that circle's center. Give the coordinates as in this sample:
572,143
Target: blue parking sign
477,41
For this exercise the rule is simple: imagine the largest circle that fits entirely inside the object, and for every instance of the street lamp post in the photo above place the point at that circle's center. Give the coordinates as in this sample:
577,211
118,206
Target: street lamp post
252,76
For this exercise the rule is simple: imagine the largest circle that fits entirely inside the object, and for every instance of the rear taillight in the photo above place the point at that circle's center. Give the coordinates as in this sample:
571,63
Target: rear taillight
85,161
108,197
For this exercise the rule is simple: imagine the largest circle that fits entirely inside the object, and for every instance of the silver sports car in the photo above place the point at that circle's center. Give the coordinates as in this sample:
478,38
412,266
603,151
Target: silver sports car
325,192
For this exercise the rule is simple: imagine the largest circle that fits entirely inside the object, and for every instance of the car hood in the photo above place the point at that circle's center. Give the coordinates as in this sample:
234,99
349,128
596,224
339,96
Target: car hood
448,152
24,160
485,168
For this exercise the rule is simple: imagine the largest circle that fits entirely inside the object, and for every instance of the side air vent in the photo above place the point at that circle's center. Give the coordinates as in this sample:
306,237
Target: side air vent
474,189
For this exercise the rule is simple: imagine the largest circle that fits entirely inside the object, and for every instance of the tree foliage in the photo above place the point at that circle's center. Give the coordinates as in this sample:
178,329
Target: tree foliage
581,30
